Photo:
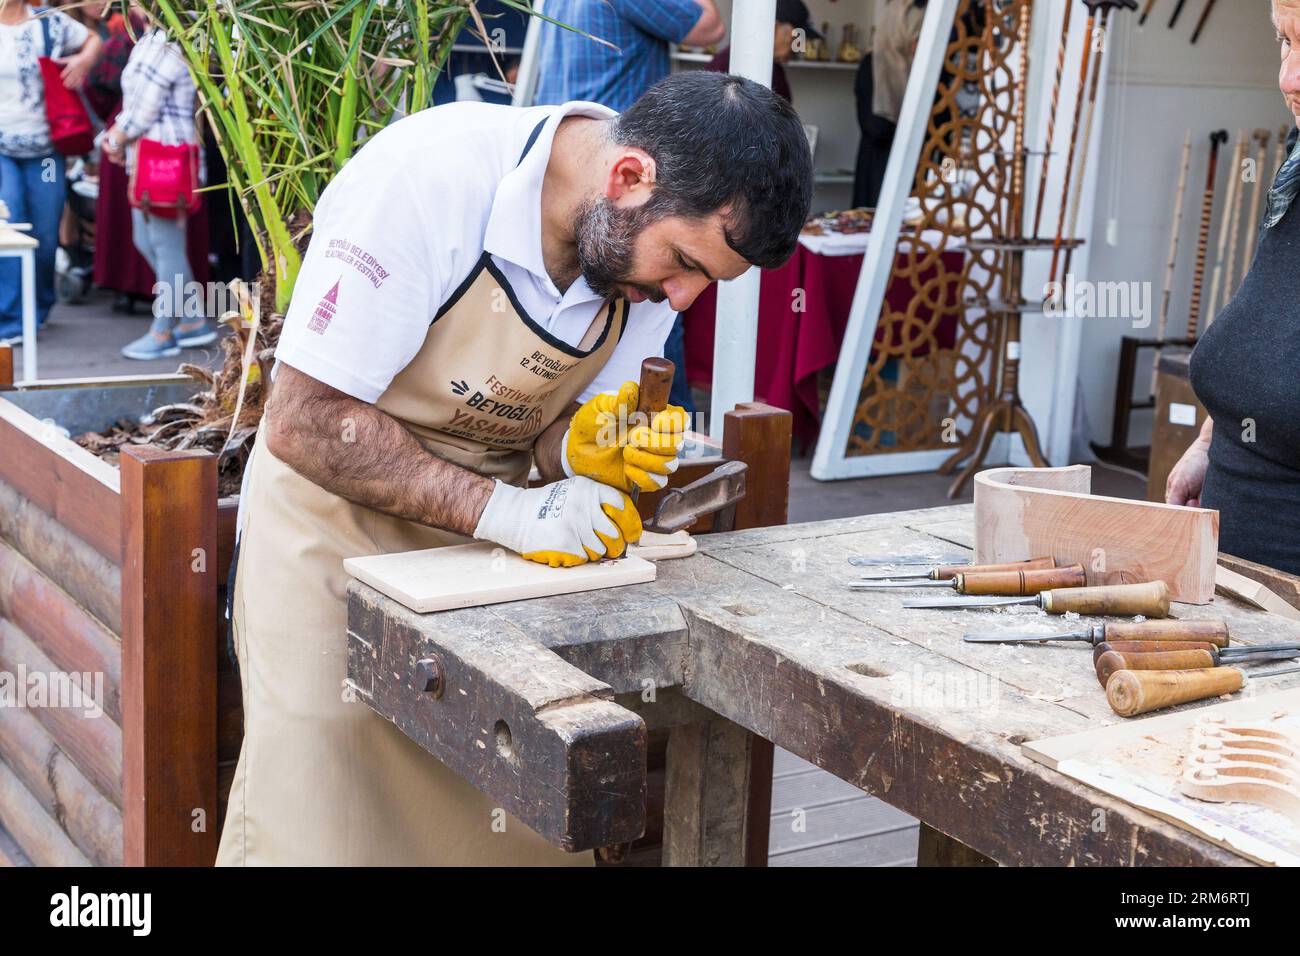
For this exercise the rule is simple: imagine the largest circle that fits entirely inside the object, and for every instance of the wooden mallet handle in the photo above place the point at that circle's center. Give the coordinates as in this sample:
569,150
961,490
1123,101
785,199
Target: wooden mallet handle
1138,692
1151,647
656,384
1021,582
1118,600
1113,661
1213,632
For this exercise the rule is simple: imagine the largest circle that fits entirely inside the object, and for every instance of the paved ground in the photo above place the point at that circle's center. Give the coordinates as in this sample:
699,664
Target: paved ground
838,824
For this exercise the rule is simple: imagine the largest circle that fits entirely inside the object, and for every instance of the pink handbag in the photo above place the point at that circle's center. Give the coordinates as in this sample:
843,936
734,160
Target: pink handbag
165,182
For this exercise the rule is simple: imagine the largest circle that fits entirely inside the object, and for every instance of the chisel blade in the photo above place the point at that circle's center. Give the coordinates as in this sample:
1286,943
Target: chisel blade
902,560
992,637
892,585
1247,650
938,603
1285,670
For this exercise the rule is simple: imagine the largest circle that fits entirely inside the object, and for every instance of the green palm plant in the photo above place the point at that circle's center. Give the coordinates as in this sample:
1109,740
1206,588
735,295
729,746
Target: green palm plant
292,88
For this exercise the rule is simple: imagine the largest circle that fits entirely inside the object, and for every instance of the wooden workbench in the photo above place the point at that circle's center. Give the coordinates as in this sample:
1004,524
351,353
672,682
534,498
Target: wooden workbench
544,703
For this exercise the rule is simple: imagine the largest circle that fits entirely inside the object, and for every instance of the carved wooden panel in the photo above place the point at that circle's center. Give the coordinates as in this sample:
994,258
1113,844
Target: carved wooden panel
933,365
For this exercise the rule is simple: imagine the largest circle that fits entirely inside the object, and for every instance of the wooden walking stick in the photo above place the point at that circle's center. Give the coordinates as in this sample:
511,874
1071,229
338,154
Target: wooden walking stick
1178,12
1171,265
1225,226
1217,139
1142,20
1084,64
1256,200
1051,117
1085,143
1205,16
1234,237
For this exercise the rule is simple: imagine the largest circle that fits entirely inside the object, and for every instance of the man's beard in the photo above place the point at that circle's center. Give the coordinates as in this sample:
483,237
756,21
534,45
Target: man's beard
606,239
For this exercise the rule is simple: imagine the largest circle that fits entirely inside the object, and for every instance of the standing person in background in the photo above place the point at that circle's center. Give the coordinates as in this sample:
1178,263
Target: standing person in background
791,16
879,88
31,172
158,97
574,67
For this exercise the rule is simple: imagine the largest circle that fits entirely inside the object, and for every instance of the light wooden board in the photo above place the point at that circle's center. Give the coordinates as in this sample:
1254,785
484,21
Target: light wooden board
470,575
1140,761
1252,592
1023,512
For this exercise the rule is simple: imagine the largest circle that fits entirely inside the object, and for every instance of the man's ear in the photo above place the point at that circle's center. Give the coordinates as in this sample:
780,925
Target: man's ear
632,176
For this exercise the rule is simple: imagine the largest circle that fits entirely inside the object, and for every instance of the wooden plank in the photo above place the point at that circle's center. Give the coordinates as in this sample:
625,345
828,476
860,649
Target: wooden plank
1171,433
72,639
1286,586
169,601
1020,512
36,832
470,575
706,814
88,818
93,743
1140,763
90,579
536,734
62,479
760,436
1253,592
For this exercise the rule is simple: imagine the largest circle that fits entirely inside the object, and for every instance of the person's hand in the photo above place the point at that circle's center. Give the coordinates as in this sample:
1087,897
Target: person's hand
1184,484
114,146
75,69
605,442
561,524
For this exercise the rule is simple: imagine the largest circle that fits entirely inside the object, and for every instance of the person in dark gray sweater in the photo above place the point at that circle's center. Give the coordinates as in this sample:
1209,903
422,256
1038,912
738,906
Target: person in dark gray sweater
1246,372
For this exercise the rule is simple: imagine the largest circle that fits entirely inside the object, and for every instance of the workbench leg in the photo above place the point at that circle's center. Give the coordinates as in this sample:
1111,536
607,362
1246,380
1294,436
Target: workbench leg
706,799
938,849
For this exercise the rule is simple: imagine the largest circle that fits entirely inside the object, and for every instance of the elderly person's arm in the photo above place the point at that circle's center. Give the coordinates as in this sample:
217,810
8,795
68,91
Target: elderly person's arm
1186,480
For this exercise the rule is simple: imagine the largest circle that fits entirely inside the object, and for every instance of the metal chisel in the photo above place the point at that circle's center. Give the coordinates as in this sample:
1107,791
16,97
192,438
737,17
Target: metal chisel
1214,633
1183,660
950,571
1144,648
991,582
902,560
1130,693
1116,600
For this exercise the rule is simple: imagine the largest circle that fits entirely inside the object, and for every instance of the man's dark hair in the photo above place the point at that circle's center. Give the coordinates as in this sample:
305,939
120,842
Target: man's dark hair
722,140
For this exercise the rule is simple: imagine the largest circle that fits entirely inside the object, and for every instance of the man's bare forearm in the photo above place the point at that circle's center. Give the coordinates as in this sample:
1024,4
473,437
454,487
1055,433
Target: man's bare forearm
354,450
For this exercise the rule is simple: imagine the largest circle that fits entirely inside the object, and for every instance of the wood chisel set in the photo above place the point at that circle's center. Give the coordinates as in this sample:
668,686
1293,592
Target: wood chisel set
1143,665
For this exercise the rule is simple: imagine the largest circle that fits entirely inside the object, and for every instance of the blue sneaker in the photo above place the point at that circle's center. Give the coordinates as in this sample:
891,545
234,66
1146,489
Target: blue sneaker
194,335
152,345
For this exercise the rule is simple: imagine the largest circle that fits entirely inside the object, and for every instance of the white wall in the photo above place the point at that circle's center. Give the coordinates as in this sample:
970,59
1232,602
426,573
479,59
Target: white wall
1227,81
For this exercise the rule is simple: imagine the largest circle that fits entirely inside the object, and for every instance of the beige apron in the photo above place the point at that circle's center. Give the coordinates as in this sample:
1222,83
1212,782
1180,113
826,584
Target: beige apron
322,780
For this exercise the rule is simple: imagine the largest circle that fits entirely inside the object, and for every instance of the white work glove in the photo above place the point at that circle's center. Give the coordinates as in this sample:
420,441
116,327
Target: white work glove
561,524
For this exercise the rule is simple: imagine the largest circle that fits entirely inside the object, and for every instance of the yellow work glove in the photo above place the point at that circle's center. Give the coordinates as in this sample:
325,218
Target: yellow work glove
561,524
608,442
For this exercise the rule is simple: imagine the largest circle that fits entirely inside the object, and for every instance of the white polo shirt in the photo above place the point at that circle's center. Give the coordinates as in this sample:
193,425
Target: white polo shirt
403,225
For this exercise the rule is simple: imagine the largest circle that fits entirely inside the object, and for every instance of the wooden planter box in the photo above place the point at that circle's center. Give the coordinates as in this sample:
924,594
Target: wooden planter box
114,573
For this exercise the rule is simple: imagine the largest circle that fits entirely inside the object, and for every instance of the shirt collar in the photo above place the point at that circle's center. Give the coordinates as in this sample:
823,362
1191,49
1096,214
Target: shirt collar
1286,186
514,228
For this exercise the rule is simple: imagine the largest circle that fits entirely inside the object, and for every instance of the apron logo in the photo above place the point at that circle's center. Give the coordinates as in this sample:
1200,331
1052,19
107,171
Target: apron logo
326,309
460,388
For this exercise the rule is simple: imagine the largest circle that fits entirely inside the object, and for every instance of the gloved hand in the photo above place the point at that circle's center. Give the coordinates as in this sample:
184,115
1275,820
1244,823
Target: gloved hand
601,443
561,524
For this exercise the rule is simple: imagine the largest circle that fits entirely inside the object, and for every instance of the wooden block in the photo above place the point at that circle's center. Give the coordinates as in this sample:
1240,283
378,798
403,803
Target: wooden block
1178,421
655,546
1252,592
471,575
1022,512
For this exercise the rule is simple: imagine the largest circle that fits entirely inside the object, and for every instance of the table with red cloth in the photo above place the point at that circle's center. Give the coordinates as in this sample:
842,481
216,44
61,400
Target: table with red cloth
793,345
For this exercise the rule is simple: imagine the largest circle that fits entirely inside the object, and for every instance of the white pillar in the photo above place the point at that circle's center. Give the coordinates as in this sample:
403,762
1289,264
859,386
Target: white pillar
735,343
526,77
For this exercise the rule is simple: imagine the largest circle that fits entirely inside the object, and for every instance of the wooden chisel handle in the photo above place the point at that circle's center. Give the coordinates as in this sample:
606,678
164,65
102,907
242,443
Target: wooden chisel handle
1118,600
1138,692
1113,661
949,572
1151,647
1213,632
656,384
1021,583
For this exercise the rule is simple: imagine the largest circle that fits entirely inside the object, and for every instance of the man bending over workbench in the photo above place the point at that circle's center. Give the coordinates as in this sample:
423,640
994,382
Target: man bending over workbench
481,287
